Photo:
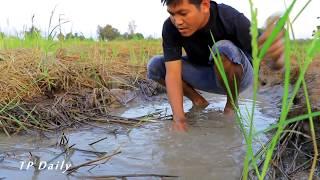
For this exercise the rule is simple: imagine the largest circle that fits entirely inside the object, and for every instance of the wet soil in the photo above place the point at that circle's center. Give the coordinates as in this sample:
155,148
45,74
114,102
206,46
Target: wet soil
213,148
295,152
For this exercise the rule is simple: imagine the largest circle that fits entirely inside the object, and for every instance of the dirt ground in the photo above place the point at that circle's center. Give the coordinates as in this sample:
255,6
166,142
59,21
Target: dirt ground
295,152
271,78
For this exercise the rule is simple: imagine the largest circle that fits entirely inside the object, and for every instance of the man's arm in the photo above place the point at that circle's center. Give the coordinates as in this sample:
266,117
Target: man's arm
275,54
241,29
175,93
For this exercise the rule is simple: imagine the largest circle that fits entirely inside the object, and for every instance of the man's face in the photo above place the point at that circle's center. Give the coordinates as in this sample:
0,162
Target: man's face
189,18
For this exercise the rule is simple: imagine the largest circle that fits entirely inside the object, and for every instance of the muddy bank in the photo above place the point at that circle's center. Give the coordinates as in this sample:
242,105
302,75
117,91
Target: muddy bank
45,91
269,78
71,109
295,151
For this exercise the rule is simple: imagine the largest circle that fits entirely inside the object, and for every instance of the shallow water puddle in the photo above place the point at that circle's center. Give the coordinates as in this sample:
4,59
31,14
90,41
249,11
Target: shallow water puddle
212,148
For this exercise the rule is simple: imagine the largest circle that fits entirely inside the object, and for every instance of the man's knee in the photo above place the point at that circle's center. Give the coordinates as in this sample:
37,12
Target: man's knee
228,49
231,57
156,68
232,70
224,43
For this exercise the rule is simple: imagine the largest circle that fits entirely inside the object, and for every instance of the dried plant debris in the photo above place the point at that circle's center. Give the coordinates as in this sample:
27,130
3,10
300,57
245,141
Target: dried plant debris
65,110
293,155
68,88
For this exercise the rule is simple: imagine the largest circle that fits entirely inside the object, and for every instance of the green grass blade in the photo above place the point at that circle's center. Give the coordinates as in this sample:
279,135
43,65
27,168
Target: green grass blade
284,109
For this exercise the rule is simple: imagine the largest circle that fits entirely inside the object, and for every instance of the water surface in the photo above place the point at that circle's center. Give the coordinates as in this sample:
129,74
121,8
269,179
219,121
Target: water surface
213,147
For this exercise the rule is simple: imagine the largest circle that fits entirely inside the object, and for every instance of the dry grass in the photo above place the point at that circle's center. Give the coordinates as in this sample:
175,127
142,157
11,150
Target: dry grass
50,90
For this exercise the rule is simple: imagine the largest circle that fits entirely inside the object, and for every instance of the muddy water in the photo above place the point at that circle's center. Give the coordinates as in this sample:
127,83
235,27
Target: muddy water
213,148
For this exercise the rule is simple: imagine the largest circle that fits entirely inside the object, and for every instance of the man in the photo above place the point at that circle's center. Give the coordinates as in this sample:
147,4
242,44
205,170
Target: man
190,26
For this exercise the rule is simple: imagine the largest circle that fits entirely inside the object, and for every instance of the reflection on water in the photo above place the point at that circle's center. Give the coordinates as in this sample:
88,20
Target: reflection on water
212,148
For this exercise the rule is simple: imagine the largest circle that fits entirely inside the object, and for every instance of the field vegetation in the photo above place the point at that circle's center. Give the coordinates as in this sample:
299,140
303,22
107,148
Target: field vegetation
51,82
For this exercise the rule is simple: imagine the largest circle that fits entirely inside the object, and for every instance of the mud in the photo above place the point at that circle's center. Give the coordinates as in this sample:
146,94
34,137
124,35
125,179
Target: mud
213,148
295,152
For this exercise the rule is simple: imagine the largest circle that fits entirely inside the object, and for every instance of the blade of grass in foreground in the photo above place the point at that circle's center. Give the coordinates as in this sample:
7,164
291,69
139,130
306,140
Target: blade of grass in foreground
283,108
285,96
309,108
289,121
254,33
298,118
315,148
218,62
257,58
239,118
281,124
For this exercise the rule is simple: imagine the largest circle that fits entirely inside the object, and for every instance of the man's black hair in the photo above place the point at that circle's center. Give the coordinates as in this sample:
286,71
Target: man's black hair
169,2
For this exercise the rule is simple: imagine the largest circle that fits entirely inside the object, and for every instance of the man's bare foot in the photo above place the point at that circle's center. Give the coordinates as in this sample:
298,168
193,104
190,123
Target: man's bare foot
197,107
228,110
179,124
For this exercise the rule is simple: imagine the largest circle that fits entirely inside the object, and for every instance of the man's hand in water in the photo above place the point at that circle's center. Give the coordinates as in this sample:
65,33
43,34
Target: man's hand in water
179,124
